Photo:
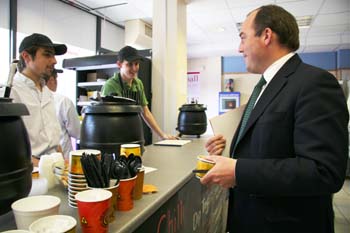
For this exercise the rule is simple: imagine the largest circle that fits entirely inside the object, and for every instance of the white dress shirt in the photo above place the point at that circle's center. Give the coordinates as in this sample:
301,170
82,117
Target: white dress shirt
69,122
272,70
42,123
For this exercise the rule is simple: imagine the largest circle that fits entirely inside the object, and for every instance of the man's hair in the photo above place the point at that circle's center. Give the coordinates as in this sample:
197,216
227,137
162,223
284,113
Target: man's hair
129,54
281,22
32,52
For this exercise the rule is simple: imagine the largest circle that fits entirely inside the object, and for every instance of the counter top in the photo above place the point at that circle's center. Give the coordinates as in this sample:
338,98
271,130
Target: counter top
174,168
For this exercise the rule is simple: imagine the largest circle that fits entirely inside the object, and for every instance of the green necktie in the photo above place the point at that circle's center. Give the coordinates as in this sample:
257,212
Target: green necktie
250,106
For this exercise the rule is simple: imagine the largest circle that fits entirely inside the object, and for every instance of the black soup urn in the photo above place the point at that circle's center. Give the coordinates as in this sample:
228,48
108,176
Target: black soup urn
15,154
110,123
192,119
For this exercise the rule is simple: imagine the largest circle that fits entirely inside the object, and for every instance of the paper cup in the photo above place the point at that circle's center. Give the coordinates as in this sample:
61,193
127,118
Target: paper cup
203,164
75,166
137,194
39,187
29,209
126,188
127,149
113,205
17,231
93,208
54,223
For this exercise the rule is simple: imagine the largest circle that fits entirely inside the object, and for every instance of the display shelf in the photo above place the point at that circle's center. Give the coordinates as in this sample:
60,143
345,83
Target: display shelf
91,85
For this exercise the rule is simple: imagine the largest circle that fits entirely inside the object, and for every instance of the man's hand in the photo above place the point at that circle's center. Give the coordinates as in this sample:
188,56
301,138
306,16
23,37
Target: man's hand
35,161
216,145
223,173
169,137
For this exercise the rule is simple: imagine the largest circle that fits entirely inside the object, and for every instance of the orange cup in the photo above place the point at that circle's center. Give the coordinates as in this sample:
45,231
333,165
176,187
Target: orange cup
203,164
127,149
125,191
93,209
137,194
75,166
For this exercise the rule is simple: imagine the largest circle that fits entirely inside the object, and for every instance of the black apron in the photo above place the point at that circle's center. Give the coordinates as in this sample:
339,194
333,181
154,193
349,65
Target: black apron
135,95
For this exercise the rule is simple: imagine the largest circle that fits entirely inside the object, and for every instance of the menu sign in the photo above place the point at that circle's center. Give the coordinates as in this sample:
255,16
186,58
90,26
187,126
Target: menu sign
194,208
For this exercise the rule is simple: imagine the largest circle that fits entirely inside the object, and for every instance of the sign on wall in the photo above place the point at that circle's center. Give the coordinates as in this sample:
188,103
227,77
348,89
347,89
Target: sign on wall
228,101
193,87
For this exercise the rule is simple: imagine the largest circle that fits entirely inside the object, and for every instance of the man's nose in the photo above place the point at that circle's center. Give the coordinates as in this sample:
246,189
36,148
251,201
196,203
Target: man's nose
54,60
240,48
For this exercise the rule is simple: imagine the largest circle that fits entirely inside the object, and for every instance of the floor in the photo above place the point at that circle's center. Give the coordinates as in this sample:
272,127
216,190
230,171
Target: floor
341,206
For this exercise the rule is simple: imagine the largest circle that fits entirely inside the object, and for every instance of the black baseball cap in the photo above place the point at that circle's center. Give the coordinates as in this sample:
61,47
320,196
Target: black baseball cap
129,54
41,40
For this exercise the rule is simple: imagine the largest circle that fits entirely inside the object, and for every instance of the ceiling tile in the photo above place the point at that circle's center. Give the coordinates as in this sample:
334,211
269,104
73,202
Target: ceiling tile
205,6
332,19
248,3
330,29
335,6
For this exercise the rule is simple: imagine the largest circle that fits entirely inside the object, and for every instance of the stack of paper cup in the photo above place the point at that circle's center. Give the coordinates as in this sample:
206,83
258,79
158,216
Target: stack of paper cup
76,178
76,183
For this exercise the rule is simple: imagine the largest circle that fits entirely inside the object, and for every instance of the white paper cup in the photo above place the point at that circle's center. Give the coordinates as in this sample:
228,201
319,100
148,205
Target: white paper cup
17,231
29,209
39,187
54,223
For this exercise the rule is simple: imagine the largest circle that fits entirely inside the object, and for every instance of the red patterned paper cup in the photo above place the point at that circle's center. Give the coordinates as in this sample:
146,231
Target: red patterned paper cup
93,209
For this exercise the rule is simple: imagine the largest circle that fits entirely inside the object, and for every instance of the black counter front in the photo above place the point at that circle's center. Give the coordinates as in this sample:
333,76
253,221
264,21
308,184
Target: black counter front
181,204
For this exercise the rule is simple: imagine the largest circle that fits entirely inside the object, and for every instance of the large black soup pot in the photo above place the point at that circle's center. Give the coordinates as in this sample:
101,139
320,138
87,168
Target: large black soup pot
192,119
15,154
110,123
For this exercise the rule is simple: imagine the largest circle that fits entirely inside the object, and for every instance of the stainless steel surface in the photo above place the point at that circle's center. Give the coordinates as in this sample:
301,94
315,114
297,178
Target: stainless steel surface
174,164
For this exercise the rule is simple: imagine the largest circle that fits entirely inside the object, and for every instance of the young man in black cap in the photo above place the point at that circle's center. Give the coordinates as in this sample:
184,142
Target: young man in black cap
127,84
37,58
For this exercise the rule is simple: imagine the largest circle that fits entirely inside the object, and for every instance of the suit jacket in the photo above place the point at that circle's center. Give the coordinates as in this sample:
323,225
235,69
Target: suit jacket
292,154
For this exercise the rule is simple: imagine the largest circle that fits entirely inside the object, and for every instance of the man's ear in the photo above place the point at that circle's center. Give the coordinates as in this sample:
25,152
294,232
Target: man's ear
119,64
268,33
26,56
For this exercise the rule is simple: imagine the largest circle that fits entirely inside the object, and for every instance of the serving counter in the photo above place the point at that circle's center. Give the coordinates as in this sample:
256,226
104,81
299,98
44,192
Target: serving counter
181,204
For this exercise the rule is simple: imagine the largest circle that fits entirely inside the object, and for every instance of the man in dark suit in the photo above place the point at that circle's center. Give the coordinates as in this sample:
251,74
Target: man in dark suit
288,155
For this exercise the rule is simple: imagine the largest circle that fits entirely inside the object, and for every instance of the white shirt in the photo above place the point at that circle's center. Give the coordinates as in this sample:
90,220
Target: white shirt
42,123
69,121
272,70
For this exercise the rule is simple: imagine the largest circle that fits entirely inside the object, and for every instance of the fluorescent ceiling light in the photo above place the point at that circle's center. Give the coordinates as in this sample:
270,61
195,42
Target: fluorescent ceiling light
304,21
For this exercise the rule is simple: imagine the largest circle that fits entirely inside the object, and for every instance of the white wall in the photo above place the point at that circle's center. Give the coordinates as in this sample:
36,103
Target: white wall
59,21
210,83
112,37
63,23
243,83
4,14
4,45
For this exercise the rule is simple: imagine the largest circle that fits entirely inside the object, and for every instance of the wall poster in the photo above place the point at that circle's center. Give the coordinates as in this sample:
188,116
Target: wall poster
193,87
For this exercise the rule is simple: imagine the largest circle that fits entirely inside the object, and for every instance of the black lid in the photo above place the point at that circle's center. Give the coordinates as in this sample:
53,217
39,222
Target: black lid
193,108
111,108
7,108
